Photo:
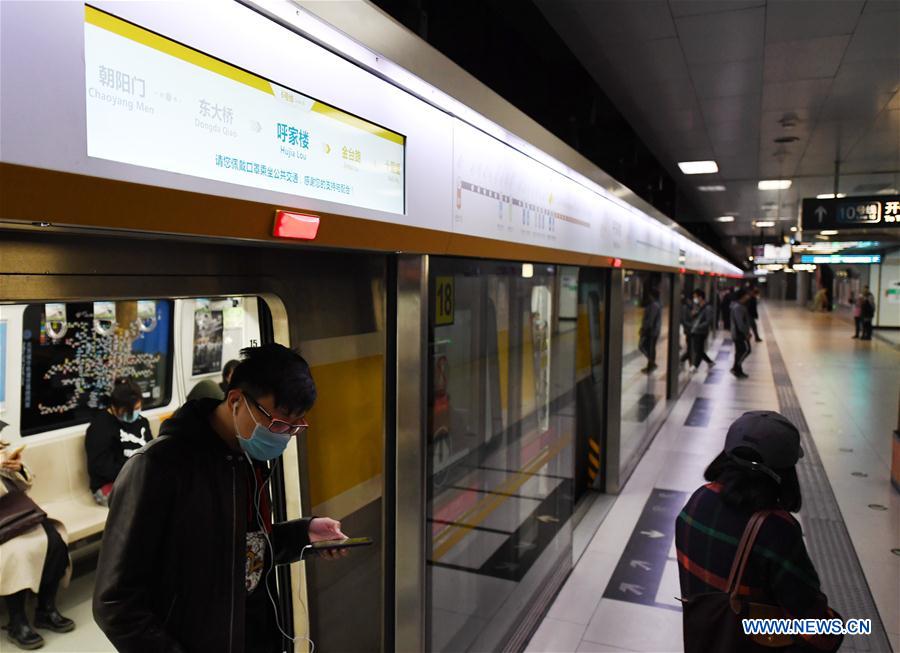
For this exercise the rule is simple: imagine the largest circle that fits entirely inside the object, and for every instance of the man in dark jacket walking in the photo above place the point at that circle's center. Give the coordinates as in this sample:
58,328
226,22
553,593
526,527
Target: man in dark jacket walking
740,332
651,325
189,542
700,327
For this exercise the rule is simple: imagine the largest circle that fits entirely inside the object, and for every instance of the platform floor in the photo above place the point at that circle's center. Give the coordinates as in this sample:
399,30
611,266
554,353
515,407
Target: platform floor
847,391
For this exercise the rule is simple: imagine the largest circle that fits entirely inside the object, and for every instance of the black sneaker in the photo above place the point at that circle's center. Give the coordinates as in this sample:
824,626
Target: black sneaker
53,620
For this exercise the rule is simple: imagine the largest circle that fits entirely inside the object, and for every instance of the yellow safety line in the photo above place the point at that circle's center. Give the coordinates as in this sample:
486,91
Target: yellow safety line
137,34
461,530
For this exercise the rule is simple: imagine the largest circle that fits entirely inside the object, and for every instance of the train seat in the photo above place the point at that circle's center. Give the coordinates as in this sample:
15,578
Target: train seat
61,486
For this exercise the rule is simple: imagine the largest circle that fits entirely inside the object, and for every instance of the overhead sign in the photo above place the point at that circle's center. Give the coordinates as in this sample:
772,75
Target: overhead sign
841,258
156,103
771,253
851,212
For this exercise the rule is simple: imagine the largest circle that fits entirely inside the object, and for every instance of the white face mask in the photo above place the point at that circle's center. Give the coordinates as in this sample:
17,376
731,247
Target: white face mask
696,300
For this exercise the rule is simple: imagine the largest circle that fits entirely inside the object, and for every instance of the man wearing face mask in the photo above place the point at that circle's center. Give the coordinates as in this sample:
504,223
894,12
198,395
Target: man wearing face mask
189,546
113,436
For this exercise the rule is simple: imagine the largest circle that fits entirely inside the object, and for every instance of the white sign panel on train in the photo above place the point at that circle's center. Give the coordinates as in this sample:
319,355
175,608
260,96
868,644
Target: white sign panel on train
503,194
155,103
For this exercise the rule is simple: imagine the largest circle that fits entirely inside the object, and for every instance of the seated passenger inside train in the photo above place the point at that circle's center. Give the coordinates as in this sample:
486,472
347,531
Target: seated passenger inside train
34,558
209,389
113,436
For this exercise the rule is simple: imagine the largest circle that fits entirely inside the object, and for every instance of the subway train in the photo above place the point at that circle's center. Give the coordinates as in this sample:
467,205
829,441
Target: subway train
470,304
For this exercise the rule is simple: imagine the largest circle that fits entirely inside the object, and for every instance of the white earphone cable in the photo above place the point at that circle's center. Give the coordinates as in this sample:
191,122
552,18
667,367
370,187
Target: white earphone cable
257,494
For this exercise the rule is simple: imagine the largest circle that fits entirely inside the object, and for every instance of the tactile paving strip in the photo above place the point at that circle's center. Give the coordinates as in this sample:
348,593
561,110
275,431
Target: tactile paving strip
827,538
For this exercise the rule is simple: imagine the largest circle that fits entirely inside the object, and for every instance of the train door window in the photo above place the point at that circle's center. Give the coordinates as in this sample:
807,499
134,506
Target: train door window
71,353
644,360
500,439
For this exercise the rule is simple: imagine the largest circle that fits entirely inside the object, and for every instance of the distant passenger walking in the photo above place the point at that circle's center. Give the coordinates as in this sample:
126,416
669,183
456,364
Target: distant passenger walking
753,310
857,314
740,332
753,479
867,313
700,327
650,329
725,308
687,318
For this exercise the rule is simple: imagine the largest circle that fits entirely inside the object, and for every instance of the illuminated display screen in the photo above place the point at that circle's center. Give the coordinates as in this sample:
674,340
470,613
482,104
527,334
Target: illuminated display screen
841,258
156,103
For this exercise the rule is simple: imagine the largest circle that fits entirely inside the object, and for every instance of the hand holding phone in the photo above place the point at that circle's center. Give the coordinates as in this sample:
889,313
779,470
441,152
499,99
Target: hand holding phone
340,545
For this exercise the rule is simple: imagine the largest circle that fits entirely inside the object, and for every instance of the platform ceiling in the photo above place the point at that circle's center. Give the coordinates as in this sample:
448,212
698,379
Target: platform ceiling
775,89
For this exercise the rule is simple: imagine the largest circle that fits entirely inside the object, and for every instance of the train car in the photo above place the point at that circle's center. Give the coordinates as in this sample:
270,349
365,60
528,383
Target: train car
179,183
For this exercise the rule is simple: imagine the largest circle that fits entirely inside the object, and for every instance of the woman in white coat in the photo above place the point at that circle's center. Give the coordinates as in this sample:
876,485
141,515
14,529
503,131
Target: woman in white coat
34,561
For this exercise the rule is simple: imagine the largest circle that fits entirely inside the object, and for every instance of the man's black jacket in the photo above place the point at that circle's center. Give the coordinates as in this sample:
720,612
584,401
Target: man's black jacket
172,570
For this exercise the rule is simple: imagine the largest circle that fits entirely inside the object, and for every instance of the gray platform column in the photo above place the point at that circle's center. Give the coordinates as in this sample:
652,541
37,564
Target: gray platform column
409,482
613,379
802,287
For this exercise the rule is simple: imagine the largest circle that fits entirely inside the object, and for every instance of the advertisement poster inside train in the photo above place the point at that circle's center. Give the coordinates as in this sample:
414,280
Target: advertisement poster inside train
208,339
71,359
156,103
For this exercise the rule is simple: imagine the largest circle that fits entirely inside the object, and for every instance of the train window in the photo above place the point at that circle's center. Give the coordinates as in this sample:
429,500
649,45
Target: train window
72,353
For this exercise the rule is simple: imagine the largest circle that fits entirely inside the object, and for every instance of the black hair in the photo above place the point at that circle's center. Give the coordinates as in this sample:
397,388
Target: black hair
275,370
654,293
699,293
743,292
753,490
125,394
229,368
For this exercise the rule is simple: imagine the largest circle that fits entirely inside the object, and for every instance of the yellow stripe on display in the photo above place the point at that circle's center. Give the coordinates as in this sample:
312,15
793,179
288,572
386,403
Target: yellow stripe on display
139,35
349,119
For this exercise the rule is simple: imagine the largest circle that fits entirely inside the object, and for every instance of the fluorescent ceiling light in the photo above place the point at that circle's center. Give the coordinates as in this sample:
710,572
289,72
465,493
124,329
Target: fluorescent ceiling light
725,218
527,270
821,237
774,184
698,167
830,196
764,223
829,232
715,188
793,228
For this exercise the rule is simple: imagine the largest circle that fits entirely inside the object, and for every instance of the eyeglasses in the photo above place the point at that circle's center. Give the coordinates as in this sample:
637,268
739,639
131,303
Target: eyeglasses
277,425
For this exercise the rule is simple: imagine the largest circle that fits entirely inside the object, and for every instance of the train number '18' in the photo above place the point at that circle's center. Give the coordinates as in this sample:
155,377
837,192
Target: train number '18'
443,300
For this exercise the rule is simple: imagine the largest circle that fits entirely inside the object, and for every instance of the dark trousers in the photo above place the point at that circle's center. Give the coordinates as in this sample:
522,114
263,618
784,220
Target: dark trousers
858,321
741,351
647,347
754,329
55,564
686,356
866,328
726,317
698,350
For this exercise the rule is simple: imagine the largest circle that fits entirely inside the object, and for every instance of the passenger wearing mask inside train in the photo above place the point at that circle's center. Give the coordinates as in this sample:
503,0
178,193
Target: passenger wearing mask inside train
190,544
113,436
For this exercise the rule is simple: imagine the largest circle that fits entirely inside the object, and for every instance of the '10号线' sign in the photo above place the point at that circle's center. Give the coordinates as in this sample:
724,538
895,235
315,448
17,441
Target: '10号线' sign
872,211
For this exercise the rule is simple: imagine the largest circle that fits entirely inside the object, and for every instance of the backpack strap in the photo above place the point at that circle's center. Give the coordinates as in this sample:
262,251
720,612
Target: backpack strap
745,547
